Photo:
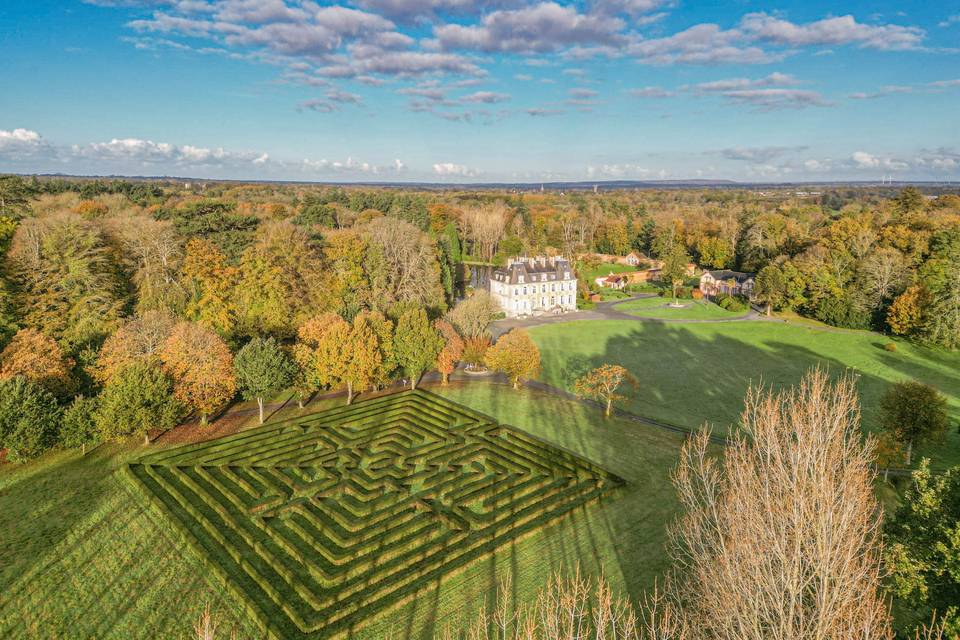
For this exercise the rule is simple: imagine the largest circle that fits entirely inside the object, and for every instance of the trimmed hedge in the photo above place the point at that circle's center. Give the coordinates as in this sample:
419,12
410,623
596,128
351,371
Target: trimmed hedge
323,521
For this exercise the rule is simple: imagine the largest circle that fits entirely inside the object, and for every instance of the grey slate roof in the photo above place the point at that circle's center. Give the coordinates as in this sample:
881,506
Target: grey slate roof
534,270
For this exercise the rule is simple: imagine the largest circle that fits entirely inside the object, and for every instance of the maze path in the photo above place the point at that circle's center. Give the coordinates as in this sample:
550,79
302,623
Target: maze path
323,521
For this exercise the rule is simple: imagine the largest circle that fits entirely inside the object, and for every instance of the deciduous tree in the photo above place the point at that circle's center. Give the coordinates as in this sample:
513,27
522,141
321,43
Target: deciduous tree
210,282
602,385
201,366
914,413
138,339
319,352
402,266
138,398
908,313
262,368
516,355
78,428
674,269
473,316
415,344
29,418
780,539
452,350
37,358
362,356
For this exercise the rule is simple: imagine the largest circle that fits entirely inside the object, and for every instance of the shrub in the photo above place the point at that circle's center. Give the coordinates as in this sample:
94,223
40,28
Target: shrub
29,417
890,346
733,304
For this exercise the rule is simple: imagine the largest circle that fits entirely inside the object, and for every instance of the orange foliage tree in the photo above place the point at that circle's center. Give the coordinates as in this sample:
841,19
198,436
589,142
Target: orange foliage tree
516,355
602,385
201,366
38,358
452,350
138,339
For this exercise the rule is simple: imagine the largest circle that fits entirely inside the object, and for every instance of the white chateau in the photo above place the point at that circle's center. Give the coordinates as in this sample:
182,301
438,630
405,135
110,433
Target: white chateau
535,286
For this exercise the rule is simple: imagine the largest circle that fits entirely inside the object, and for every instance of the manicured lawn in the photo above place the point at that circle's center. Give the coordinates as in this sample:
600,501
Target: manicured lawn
604,269
692,310
80,557
697,373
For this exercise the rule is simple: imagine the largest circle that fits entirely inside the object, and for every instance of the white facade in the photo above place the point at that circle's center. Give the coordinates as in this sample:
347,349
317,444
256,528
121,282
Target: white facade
535,286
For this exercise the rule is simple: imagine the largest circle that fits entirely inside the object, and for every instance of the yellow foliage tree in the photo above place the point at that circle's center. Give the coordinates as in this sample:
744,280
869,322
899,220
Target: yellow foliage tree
211,281
136,340
319,352
362,358
602,384
516,355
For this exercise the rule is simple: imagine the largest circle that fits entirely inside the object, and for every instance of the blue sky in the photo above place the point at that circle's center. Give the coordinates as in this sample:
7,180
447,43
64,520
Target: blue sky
451,90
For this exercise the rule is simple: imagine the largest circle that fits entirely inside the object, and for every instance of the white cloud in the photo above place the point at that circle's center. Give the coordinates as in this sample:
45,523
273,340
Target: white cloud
449,169
769,93
830,31
618,171
540,28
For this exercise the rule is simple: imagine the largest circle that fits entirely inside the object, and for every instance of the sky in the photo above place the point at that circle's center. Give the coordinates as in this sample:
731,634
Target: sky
501,90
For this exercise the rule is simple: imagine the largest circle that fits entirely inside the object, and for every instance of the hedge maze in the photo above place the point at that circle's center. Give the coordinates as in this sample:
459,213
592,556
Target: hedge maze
323,521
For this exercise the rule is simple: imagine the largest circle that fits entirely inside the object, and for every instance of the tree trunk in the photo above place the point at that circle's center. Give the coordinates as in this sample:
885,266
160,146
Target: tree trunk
83,449
299,401
606,413
146,438
909,451
349,392
768,309
203,419
413,382
516,383
444,378
260,406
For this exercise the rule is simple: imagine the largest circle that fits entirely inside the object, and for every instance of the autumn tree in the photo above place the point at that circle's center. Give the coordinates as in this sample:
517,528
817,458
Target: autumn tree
674,269
37,358
382,328
780,539
138,339
416,344
201,366
262,369
279,283
348,283
152,251
318,353
452,350
908,313
915,413
362,358
516,355
67,279
78,427
483,225
602,385
210,282
923,551
402,266
29,418
138,399
770,287
473,316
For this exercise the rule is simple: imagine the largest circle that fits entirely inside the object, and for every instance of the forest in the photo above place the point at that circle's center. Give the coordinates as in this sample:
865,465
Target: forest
124,304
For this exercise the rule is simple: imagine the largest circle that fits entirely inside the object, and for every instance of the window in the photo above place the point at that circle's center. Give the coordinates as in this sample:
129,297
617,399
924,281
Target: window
553,287
516,291
524,291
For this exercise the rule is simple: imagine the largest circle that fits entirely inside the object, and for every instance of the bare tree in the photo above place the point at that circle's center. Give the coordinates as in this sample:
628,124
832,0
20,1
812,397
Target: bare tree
402,264
781,540
484,226
884,272
472,316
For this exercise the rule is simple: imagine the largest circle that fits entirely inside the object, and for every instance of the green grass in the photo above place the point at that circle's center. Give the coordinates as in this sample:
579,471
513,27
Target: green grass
603,269
693,310
696,373
80,557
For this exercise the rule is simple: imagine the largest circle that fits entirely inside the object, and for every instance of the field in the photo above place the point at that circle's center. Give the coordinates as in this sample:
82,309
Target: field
93,562
657,308
712,365
603,269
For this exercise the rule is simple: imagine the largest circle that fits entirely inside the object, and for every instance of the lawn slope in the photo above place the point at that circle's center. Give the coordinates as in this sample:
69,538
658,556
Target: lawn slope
695,373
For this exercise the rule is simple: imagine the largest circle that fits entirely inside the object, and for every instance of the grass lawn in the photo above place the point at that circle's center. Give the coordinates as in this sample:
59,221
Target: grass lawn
79,556
695,373
693,309
604,269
